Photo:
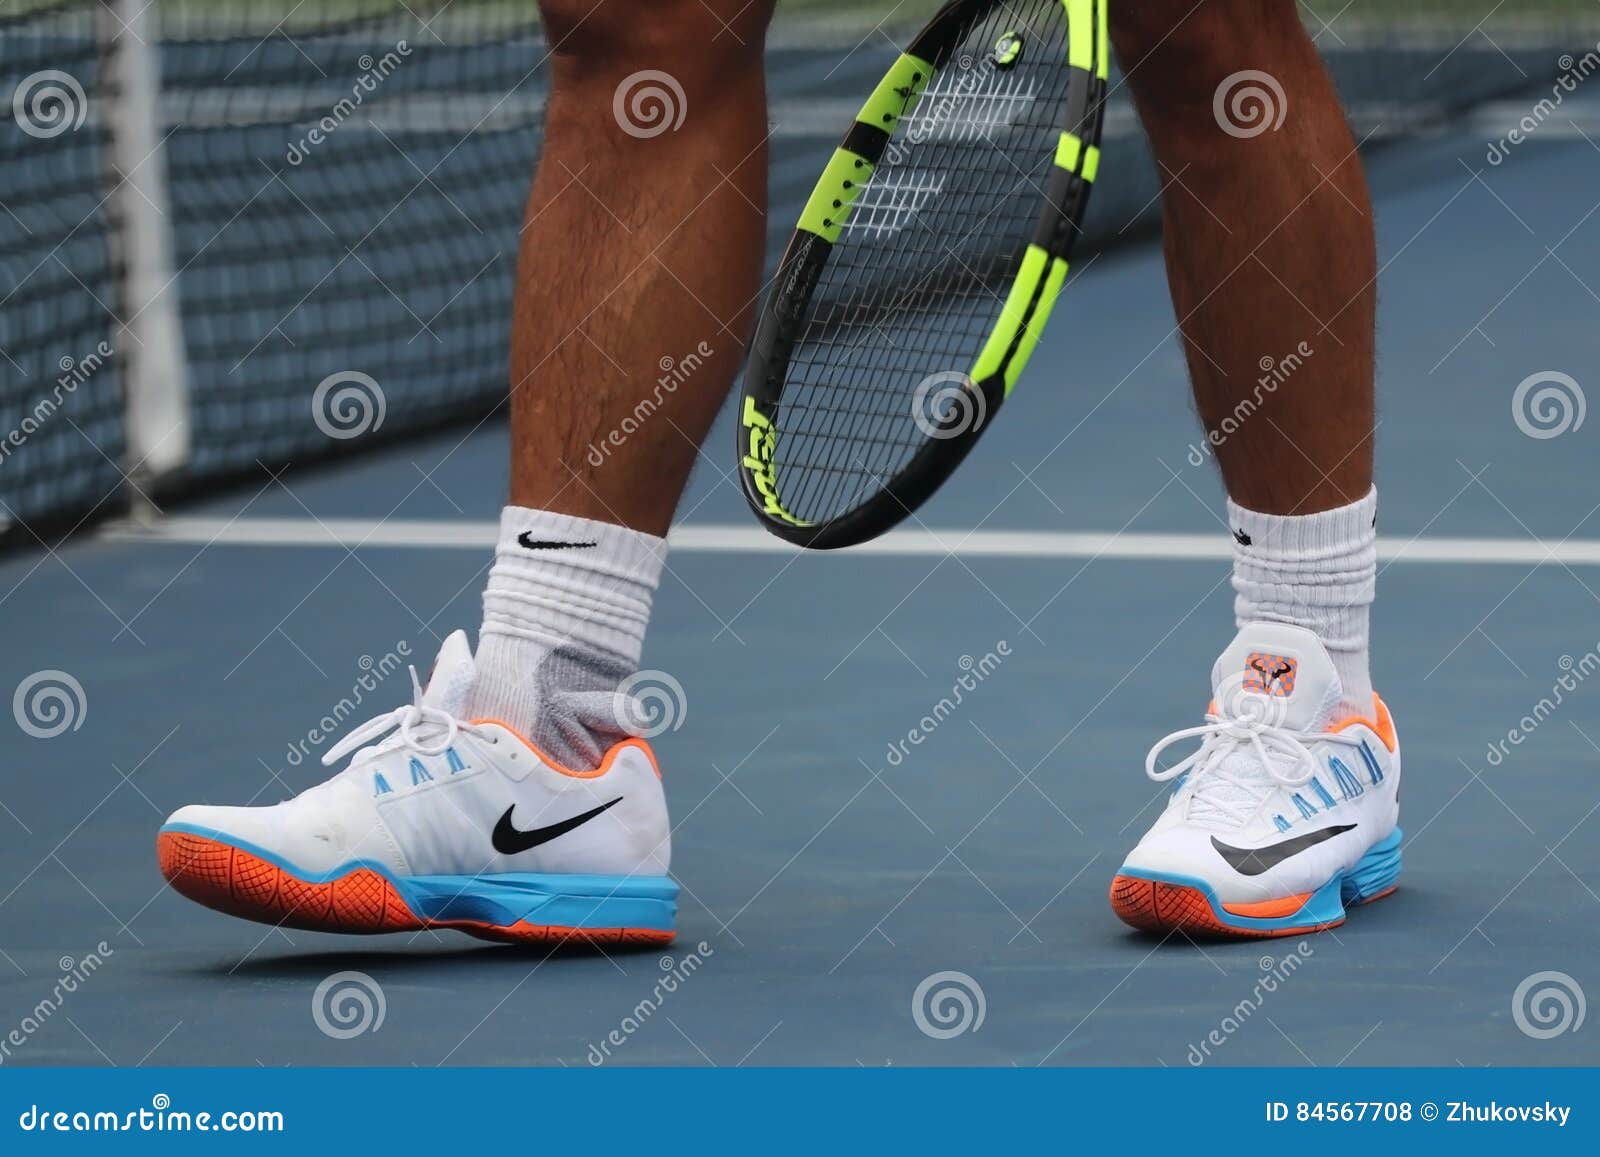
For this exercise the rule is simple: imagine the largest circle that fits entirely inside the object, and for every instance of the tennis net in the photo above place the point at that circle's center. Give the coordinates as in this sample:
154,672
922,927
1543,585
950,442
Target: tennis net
240,233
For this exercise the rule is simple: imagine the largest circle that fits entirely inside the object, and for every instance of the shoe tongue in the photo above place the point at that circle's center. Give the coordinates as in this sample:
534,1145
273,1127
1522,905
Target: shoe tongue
453,672
1276,674
1279,674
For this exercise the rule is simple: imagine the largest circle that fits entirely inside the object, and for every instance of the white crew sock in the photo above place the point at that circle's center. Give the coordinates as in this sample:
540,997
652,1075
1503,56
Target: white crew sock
564,616
1317,571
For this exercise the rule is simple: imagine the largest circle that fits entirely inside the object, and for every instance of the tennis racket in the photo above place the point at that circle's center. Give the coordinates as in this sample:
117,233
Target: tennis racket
923,268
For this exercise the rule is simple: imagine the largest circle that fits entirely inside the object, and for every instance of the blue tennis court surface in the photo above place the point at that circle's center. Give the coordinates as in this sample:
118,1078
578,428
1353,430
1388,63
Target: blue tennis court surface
827,876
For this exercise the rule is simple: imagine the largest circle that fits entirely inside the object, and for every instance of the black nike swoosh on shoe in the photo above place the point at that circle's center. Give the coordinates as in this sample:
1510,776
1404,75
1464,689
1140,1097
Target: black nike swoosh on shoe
508,839
1254,861
526,540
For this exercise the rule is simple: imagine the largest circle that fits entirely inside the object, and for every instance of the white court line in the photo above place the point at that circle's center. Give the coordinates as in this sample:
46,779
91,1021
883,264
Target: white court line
751,539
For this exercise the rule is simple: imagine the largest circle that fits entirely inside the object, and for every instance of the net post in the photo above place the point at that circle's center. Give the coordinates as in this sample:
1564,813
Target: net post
150,331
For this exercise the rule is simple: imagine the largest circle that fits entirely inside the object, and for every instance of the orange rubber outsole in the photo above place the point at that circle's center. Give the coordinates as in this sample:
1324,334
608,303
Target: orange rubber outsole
361,902
1159,906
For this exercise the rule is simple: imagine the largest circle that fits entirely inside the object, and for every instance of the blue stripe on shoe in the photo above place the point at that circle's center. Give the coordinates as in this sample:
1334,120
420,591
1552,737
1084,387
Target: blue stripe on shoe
1349,785
1372,763
502,898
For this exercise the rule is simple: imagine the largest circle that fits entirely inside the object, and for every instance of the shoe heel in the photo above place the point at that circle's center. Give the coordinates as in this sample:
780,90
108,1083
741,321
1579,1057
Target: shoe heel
1375,875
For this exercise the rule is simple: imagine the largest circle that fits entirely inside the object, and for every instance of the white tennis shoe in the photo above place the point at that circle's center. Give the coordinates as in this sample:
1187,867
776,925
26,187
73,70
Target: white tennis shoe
1284,816
440,822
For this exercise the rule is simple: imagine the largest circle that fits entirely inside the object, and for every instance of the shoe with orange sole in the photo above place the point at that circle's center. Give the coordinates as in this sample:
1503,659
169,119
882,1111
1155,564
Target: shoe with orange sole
1287,814
441,822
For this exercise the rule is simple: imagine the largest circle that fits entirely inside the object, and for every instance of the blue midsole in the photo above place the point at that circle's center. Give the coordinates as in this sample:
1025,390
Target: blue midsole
504,898
1375,872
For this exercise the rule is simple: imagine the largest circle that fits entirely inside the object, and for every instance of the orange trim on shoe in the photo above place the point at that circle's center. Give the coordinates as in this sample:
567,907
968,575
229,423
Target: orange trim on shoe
605,763
1285,906
1380,722
1160,906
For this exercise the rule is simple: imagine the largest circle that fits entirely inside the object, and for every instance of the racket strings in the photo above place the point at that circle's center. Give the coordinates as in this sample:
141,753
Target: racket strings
917,278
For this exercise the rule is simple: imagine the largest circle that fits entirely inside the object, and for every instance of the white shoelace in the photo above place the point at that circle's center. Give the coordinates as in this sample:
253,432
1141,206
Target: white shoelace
1235,787
408,724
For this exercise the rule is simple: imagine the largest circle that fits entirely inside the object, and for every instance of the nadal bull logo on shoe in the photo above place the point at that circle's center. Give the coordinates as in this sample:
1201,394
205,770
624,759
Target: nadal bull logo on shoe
1270,674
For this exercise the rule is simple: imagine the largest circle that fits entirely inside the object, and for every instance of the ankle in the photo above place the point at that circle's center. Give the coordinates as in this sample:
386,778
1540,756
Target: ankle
1317,571
565,611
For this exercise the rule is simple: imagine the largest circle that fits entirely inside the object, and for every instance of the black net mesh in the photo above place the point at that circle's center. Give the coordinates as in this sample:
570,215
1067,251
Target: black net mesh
343,207
347,188
61,439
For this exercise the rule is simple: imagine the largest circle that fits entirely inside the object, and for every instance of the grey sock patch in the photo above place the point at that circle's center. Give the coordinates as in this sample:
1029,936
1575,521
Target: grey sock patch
578,716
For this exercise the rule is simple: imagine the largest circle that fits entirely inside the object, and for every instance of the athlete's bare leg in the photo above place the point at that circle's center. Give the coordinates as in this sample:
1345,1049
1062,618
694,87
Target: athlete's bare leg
643,242
1269,243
